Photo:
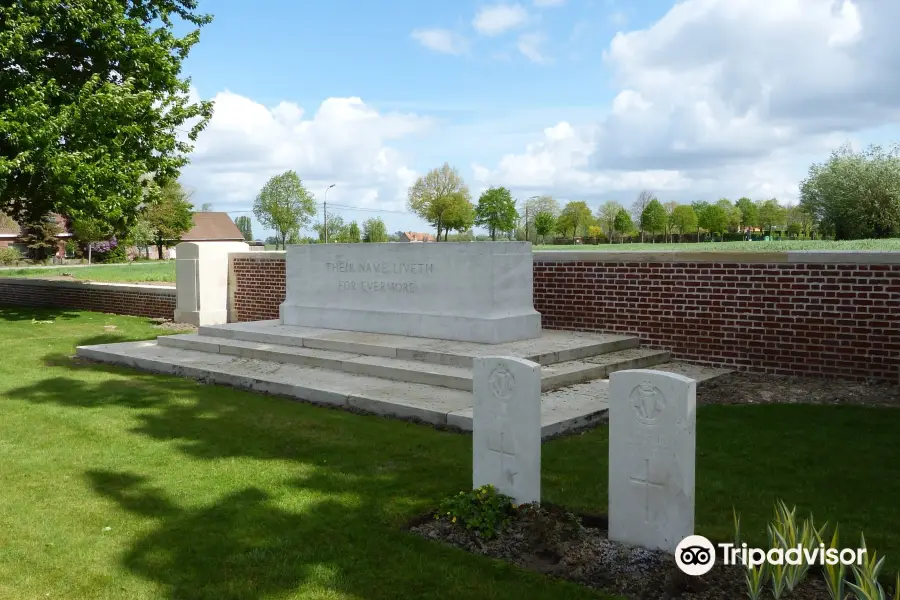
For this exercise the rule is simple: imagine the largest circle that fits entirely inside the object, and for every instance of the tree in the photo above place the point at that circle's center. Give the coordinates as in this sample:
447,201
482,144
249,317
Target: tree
732,213
353,232
337,230
374,231
41,236
459,214
770,214
284,205
606,216
638,207
654,217
141,235
684,219
169,215
206,207
496,211
670,208
623,223
91,100
245,225
713,218
535,206
575,217
89,229
749,213
855,194
544,224
432,194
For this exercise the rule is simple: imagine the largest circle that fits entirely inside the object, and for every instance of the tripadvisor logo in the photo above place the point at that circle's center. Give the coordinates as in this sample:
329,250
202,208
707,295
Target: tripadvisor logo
695,555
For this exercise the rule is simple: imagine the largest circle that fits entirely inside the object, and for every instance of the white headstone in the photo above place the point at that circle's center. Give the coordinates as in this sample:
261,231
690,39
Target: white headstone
201,281
506,427
471,292
652,452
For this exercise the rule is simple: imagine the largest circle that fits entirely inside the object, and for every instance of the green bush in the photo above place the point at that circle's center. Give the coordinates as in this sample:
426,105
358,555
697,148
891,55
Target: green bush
117,255
484,510
9,256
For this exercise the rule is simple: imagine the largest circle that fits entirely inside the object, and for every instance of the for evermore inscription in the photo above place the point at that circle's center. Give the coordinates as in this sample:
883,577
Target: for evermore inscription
379,268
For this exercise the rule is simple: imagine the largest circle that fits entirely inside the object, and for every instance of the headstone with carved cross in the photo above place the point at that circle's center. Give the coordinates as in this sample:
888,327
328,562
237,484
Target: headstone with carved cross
506,427
652,450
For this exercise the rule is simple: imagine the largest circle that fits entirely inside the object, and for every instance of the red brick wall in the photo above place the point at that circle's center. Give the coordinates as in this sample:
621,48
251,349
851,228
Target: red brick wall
256,285
780,316
120,299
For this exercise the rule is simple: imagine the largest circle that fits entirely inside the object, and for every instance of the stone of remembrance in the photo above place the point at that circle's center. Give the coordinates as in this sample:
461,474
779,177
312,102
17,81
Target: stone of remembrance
470,292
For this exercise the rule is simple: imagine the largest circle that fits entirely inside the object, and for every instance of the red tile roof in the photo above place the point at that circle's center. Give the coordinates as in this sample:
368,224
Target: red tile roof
213,227
413,236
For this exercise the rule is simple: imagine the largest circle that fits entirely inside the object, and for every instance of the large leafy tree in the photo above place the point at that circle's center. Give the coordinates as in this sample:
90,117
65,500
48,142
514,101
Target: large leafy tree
639,206
245,225
623,223
575,217
169,215
654,218
771,214
337,229
374,230
91,100
855,194
435,193
606,216
459,214
284,206
684,219
496,211
544,224
749,212
90,229
535,206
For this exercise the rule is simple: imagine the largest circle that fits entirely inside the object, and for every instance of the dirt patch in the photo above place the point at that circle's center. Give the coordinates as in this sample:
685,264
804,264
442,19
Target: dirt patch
170,325
552,541
756,388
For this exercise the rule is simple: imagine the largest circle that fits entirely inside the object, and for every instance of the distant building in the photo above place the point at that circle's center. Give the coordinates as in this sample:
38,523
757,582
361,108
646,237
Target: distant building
412,236
211,227
11,235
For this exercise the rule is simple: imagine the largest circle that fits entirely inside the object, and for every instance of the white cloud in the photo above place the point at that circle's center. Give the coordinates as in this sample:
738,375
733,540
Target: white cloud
344,142
727,95
531,47
441,40
499,18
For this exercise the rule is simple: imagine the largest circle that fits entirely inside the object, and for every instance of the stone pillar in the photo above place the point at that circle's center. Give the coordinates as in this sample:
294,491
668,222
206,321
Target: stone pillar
201,279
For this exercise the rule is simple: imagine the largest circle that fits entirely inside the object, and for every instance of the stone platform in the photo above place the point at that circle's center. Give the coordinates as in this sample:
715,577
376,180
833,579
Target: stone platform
405,377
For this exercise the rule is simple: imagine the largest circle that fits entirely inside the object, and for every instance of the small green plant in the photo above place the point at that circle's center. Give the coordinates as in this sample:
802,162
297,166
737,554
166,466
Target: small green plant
867,586
483,510
754,576
785,533
737,527
834,574
9,256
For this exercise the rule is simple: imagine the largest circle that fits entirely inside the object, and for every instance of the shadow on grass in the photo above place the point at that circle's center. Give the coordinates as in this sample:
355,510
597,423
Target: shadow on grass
241,546
22,313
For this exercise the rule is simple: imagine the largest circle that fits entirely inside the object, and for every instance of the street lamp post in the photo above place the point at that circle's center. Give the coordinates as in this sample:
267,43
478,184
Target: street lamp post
325,212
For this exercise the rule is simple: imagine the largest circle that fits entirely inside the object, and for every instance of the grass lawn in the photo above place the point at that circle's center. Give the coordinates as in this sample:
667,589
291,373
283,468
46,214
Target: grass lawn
138,272
117,484
888,245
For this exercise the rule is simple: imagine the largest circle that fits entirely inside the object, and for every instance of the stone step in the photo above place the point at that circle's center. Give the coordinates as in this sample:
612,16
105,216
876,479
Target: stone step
562,410
551,348
411,371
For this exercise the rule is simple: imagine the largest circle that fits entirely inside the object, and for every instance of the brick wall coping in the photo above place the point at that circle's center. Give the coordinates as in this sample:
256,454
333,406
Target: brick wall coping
847,257
259,254
853,257
161,290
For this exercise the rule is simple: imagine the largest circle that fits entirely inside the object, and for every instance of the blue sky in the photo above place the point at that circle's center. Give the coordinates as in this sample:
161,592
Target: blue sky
584,100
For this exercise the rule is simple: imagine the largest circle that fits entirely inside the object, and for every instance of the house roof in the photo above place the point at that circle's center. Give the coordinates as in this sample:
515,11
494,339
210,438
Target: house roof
418,237
213,227
9,228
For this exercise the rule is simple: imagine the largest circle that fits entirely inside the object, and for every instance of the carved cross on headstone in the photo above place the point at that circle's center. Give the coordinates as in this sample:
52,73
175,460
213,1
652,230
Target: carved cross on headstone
648,484
505,448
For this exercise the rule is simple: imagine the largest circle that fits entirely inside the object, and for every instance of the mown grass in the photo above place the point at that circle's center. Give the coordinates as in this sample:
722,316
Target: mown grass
883,245
135,272
118,484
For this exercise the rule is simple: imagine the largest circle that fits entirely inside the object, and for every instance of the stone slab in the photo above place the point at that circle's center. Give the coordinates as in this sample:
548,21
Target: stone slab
475,292
652,458
550,348
506,436
201,274
561,410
